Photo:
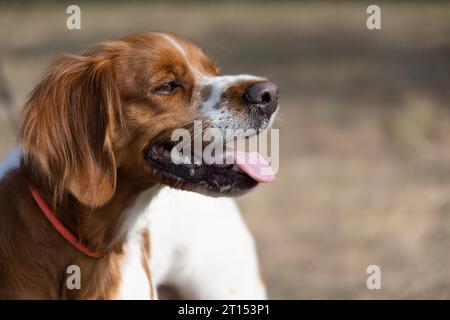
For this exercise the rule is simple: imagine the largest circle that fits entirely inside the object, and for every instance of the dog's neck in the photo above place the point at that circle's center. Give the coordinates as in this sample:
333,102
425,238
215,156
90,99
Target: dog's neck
102,229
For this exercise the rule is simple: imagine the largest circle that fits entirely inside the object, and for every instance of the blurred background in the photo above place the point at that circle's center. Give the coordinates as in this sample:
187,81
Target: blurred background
364,127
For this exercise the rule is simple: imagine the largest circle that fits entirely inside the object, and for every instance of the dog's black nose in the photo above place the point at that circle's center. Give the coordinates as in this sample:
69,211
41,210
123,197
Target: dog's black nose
264,95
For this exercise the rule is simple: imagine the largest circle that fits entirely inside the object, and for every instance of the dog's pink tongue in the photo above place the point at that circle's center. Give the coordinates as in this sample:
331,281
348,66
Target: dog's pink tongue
255,166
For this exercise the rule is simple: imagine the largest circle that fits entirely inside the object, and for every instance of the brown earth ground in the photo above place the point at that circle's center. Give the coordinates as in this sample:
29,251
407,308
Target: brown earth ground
364,128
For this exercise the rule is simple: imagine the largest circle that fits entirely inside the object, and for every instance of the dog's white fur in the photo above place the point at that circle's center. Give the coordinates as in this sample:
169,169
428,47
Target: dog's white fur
199,245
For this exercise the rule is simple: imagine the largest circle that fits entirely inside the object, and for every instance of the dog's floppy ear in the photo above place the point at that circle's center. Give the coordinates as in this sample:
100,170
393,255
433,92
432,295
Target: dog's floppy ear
68,123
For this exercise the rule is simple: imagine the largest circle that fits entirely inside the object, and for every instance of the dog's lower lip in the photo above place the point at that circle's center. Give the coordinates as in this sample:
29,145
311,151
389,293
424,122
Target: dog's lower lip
224,165
217,177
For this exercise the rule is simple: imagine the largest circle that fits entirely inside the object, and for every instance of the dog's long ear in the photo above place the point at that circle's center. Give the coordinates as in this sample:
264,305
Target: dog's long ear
67,127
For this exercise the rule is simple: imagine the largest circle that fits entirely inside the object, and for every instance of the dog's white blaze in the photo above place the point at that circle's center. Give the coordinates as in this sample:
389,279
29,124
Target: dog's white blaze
175,44
219,85
11,162
181,50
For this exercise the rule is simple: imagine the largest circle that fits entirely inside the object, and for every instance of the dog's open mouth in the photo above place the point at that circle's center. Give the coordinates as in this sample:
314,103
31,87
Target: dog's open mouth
237,172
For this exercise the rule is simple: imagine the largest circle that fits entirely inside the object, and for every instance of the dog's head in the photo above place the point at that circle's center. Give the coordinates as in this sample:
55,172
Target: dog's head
111,112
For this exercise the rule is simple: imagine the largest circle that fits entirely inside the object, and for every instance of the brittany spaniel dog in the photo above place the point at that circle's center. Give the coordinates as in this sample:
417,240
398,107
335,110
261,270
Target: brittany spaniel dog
92,186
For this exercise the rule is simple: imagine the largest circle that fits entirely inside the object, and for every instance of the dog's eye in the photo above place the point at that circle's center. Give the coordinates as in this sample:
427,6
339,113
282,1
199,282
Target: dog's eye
168,88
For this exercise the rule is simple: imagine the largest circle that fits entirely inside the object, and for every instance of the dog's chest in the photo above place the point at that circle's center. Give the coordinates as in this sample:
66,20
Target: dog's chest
135,274
135,277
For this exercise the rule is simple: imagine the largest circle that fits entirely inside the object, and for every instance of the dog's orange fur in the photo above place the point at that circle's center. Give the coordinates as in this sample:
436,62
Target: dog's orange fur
83,131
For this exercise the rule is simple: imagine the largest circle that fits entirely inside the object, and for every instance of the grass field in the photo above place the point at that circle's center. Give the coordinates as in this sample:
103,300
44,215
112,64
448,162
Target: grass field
364,128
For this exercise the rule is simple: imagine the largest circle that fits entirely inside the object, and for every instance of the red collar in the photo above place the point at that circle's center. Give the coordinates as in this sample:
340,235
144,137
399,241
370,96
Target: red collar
62,230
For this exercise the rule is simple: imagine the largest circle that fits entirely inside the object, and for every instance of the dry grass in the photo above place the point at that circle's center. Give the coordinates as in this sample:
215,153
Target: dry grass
364,127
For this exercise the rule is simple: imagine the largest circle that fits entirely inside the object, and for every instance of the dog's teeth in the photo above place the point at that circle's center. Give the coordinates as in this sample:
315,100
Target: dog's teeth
225,188
235,168
186,160
192,172
176,156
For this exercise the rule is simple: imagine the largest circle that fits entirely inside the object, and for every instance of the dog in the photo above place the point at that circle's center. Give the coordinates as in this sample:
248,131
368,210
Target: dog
91,186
